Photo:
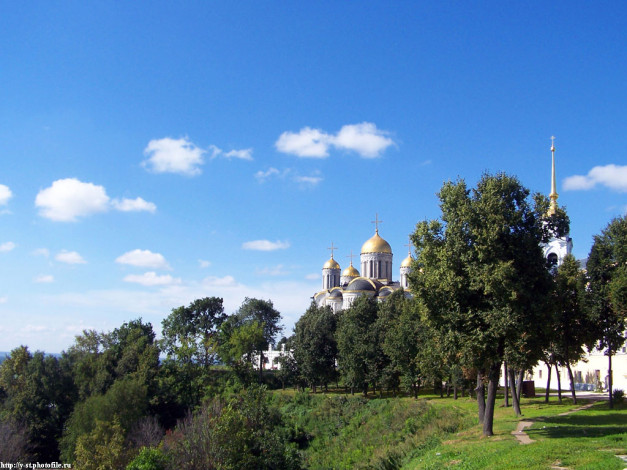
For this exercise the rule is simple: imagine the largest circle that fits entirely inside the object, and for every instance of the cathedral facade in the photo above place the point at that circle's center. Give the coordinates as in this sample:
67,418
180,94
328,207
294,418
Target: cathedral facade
340,289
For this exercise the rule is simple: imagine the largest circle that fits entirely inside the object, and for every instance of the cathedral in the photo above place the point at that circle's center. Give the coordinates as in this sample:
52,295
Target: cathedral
340,289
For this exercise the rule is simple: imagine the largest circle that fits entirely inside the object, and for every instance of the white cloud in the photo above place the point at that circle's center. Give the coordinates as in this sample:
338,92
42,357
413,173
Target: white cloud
67,199
244,154
213,281
173,156
70,257
263,176
70,198
7,246
133,205
204,263
307,142
41,252
44,279
308,180
265,245
3,300
5,194
312,276
611,176
143,259
364,139
152,279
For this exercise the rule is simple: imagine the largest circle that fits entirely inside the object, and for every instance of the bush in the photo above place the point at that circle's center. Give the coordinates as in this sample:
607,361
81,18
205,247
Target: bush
149,458
618,395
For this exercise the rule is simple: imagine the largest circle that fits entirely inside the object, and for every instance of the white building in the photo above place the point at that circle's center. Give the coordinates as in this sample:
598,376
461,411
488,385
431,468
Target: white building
340,289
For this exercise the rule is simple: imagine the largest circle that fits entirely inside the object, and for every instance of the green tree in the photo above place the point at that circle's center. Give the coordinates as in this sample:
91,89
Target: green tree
264,313
570,326
149,458
481,274
607,287
125,402
102,448
358,349
315,347
239,340
38,393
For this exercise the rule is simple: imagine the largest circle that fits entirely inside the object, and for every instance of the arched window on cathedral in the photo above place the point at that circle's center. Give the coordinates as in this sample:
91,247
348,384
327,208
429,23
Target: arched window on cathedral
552,260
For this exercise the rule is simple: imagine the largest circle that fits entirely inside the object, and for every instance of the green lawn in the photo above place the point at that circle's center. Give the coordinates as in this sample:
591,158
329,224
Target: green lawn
345,432
587,439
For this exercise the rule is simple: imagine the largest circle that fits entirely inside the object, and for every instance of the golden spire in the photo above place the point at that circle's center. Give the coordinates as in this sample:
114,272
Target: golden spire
351,257
553,196
332,248
376,223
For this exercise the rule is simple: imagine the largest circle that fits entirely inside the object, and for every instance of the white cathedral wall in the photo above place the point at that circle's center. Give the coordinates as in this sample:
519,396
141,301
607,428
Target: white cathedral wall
376,265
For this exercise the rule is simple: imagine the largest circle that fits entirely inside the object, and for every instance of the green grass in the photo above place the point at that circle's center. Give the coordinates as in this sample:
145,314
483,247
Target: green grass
587,439
337,431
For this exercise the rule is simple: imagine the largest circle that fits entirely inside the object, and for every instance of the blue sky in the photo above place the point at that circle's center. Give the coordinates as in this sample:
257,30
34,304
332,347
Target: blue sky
155,152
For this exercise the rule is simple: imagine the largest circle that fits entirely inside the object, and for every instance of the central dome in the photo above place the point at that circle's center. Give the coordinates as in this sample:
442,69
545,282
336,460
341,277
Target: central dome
376,245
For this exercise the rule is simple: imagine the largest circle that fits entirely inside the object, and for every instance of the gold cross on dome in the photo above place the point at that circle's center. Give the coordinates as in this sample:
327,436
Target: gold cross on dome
408,245
332,248
351,257
553,143
376,222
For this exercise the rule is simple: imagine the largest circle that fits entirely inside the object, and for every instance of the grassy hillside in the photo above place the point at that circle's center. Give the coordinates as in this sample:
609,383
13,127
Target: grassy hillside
336,431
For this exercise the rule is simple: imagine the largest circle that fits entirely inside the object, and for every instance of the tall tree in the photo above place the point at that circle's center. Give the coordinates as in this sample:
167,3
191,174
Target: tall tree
481,273
315,346
189,333
358,349
264,313
607,275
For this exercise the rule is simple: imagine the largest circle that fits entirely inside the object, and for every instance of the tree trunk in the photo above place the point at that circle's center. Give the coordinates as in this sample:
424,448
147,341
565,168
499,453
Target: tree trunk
519,384
260,366
515,401
609,378
455,392
548,382
559,384
572,383
506,380
480,397
493,385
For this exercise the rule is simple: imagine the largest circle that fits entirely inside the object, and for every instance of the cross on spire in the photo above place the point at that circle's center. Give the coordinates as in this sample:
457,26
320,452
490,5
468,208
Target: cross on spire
351,257
332,248
552,143
376,222
408,245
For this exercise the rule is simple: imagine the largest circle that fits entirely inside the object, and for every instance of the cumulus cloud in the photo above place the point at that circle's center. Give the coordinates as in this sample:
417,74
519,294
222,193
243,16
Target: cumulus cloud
7,246
3,300
203,263
244,154
70,198
70,257
169,155
611,176
143,259
265,245
5,194
134,205
364,139
67,199
263,176
152,279
312,276
308,180
307,142
44,279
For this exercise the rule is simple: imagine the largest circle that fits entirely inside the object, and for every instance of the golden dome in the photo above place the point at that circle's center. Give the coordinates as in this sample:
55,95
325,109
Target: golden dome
350,271
406,262
376,245
331,264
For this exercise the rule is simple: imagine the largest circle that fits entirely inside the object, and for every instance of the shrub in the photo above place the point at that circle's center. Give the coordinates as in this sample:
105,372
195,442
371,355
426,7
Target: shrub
618,395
